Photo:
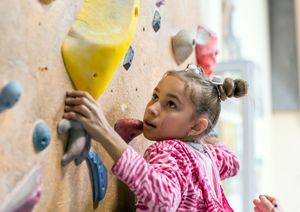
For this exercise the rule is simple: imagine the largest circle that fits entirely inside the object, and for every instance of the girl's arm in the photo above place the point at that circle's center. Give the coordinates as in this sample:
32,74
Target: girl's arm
227,160
155,183
80,106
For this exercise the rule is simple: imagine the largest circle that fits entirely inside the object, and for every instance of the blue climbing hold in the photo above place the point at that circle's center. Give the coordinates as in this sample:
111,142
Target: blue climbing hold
99,175
41,136
156,21
128,58
10,95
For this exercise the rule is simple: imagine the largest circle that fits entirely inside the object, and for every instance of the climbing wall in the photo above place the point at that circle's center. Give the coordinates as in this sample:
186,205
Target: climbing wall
34,79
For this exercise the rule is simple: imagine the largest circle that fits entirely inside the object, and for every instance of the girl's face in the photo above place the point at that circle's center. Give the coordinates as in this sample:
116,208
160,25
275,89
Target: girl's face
170,112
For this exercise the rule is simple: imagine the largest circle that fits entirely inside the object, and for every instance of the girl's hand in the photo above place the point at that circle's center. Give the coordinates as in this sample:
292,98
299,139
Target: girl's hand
81,106
266,203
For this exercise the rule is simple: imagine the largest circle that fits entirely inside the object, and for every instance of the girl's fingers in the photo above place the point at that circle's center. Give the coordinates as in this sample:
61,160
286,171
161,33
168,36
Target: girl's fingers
79,94
74,98
70,101
265,204
271,199
256,202
75,116
82,109
256,209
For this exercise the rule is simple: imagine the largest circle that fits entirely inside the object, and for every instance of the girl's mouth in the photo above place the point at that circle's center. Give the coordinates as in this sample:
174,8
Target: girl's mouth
149,124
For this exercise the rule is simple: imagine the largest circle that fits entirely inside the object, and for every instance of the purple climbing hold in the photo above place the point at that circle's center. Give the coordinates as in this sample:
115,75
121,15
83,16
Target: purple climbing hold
79,142
128,58
156,21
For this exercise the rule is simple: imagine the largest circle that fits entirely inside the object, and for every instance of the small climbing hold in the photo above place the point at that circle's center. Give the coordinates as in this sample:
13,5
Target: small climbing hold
128,58
43,68
182,45
206,49
156,21
46,1
41,136
79,142
99,176
10,95
128,128
204,35
160,3
64,126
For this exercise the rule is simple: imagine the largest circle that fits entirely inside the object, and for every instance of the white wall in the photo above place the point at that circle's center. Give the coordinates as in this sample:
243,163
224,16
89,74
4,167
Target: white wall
286,158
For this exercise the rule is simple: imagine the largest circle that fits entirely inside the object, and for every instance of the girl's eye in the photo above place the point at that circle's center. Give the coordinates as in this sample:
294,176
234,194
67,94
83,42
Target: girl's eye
154,97
171,104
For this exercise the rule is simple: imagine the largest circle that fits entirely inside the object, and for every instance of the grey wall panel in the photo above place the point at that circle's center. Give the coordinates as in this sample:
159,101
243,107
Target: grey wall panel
285,83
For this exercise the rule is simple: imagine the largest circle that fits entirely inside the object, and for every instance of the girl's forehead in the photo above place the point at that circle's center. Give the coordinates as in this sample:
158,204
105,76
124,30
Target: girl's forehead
171,82
173,85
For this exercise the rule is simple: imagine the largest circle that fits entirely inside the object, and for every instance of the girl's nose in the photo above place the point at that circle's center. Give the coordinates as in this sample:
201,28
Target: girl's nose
154,109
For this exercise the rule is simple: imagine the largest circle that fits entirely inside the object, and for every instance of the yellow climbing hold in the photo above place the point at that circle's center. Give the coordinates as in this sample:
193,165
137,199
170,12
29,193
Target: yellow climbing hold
97,42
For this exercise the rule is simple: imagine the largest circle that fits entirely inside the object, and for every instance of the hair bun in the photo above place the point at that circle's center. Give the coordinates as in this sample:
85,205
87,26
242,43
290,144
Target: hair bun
233,88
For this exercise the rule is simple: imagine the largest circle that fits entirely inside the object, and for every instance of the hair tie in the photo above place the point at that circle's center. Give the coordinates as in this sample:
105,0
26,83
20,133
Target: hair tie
217,81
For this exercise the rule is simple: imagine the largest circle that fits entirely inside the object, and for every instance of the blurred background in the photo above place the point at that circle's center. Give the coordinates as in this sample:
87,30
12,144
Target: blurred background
259,41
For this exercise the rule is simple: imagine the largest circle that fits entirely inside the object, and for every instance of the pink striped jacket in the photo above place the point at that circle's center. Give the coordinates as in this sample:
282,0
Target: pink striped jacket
173,176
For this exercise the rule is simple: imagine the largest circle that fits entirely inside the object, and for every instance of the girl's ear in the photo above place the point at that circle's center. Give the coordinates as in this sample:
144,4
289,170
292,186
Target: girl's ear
199,127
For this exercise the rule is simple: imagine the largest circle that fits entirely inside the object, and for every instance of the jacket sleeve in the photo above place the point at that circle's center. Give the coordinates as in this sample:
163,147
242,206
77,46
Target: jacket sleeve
156,182
227,161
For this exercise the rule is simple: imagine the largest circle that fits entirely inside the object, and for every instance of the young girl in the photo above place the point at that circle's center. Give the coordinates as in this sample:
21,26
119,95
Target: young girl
179,172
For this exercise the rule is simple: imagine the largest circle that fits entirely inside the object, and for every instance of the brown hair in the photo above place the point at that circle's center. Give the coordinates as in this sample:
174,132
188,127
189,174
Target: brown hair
207,95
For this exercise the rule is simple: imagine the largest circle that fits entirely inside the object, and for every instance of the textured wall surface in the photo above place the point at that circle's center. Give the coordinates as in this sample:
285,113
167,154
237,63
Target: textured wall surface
31,37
